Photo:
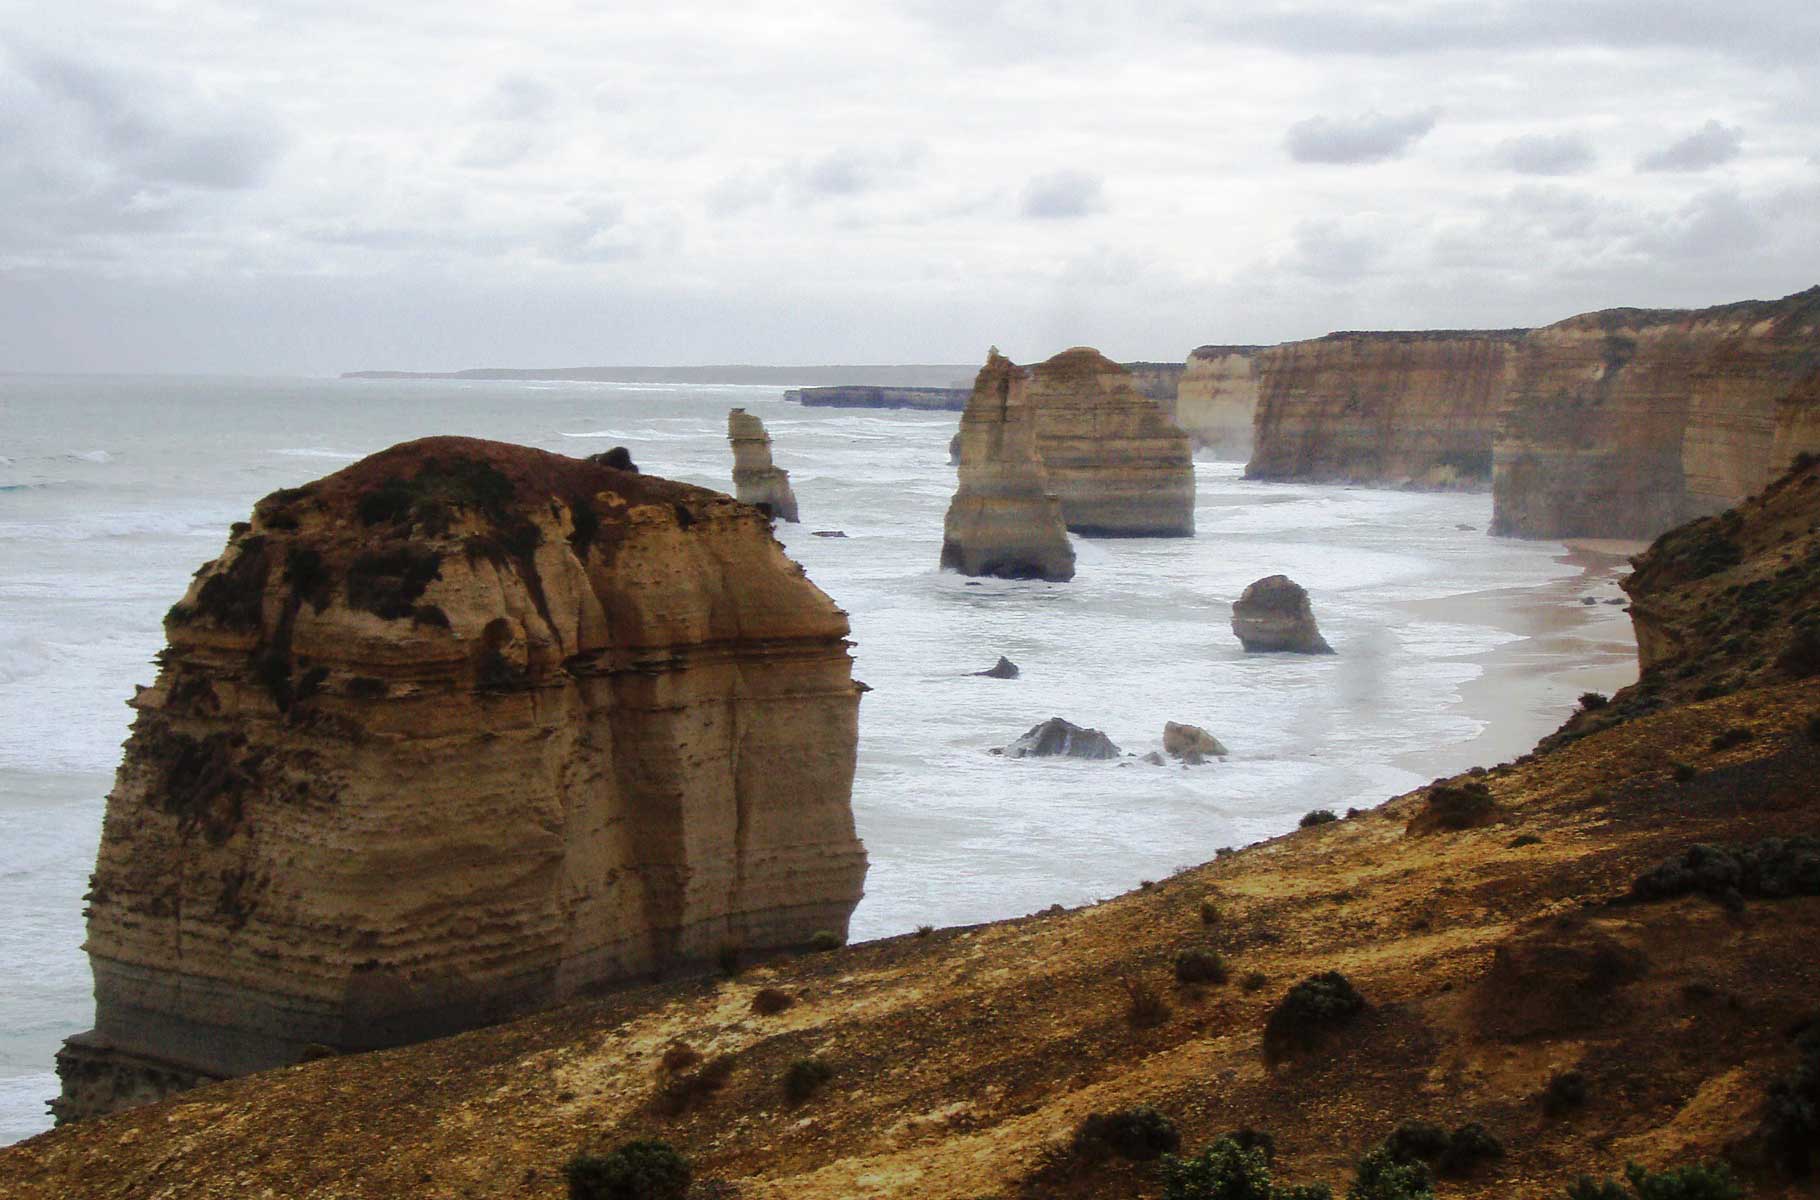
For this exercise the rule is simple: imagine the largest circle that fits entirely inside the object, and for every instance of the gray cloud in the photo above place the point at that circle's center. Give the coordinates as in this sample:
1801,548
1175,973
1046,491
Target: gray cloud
1708,146
1063,194
518,98
1547,154
1373,137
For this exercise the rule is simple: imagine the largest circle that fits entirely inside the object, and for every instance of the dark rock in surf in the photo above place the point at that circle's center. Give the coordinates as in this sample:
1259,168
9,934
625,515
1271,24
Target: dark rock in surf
1058,738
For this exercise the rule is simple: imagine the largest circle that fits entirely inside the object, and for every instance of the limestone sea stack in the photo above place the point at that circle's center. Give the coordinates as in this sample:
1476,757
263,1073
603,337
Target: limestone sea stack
1273,615
1216,400
463,730
1004,520
1627,422
1406,409
1118,465
756,480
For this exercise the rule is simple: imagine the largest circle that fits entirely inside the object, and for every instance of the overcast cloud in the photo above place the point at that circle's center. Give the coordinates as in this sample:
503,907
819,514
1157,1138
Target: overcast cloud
287,185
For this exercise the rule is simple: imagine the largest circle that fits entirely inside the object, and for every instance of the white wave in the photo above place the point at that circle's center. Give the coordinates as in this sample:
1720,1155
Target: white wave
93,456
24,657
315,452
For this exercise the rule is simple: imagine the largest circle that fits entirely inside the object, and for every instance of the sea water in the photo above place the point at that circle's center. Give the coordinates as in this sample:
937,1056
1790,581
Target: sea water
114,490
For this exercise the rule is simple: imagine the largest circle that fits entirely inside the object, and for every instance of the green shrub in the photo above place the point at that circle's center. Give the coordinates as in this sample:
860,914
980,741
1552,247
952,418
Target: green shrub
1254,980
1588,1188
1770,869
1566,1091
823,940
646,1169
1210,911
1310,1011
923,931
1381,1177
1737,735
803,1077
1248,1138
1460,806
1320,816
1696,1182
1139,1134
1416,1141
1228,1171
1467,1147
1200,966
1591,701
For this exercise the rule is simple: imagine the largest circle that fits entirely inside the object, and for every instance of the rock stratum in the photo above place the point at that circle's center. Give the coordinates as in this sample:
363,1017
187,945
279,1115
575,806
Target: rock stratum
461,731
1409,409
1216,400
1004,519
756,479
1625,422
1505,929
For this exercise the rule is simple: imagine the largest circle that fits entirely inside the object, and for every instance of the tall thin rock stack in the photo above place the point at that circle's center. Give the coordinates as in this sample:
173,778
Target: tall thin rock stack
1004,520
1114,459
756,480
458,732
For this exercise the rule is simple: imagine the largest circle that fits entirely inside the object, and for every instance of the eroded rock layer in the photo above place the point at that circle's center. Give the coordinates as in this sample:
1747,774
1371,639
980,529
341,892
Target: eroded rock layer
1004,520
756,479
1416,408
1626,422
461,731
1117,464
1216,400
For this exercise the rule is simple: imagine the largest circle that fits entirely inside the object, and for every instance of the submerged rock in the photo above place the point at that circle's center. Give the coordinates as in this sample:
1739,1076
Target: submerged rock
1004,668
1181,741
1056,737
755,479
1273,614
461,731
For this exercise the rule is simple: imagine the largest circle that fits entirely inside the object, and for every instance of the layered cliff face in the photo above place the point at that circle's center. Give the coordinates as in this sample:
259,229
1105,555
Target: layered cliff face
1159,381
1625,422
1216,400
1114,460
756,480
1004,519
460,731
1415,409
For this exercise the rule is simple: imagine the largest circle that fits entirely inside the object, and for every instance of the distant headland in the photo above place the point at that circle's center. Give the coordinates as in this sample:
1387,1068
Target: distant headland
907,375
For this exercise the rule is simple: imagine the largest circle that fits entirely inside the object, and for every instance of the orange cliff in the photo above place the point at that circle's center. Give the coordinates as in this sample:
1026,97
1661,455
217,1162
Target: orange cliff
461,731
1625,422
1216,400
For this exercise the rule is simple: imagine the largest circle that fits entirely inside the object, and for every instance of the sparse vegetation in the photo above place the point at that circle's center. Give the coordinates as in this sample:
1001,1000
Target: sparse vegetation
824,940
1593,701
1468,1146
1138,1134
388,583
1565,1092
923,931
685,1090
1210,910
1682,772
679,1057
1145,1007
1524,839
1416,1141
1227,1170
1253,980
768,1002
1380,1176
804,1077
646,1169
1770,869
1697,1182
1200,966
1737,735
1320,816
1311,1011
1792,1124
1459,806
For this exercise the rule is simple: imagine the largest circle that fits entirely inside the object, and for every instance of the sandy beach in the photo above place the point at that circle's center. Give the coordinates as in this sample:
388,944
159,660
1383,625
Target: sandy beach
1525,692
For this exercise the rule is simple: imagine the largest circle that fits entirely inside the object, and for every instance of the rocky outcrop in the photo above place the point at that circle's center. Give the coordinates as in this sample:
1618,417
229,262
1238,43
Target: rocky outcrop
1004,520
1004,668
1407,409
460,731
1216,400
1273,614
1626,422
755,479
1118,466
1056,738
929,399
1191,743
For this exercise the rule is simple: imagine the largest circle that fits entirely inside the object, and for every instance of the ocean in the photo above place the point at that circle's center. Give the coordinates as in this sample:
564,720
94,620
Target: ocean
114,490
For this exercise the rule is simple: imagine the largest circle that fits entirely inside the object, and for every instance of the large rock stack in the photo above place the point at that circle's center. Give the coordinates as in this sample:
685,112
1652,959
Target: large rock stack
460,731
756,480
1216,400
1118,465
1004,520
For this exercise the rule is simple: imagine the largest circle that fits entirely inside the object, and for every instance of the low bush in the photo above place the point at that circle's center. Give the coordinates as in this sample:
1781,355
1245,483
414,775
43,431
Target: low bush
767,1002
1591,701
923,931
1696,1182
1770,869
1416,1141
1565,1092
824,940
1320,816
1137,1134
1227,1170
1683,772
646,1169
1210,911
1253,980
1145,1007
1460,806
1310,1011
680,1057
1524,839
1467,1147
803,1077
1737,735
1381,1177
1200,966
1248,1138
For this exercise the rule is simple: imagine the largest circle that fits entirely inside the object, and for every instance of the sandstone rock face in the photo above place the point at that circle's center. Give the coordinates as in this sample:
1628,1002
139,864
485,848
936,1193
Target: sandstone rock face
1004,520
1058,738
1180,741
755,479
1159,381
1216,400
1626,422
1273,614
1118,466
460,731
1414,409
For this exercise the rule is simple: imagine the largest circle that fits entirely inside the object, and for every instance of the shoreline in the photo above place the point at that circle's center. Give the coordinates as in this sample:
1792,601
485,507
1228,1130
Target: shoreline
1523,692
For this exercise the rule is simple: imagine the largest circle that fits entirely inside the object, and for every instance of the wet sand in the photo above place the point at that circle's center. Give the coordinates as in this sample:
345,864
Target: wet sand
1525,692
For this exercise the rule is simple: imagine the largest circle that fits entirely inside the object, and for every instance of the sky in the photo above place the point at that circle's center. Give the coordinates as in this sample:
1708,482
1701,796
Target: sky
307,186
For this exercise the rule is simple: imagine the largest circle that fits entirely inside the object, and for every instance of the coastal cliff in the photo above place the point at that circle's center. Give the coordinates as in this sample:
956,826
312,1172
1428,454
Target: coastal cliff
1524,952
1403,408
756,479
1118,466
461,731
1216,400
1625,422
1004,519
